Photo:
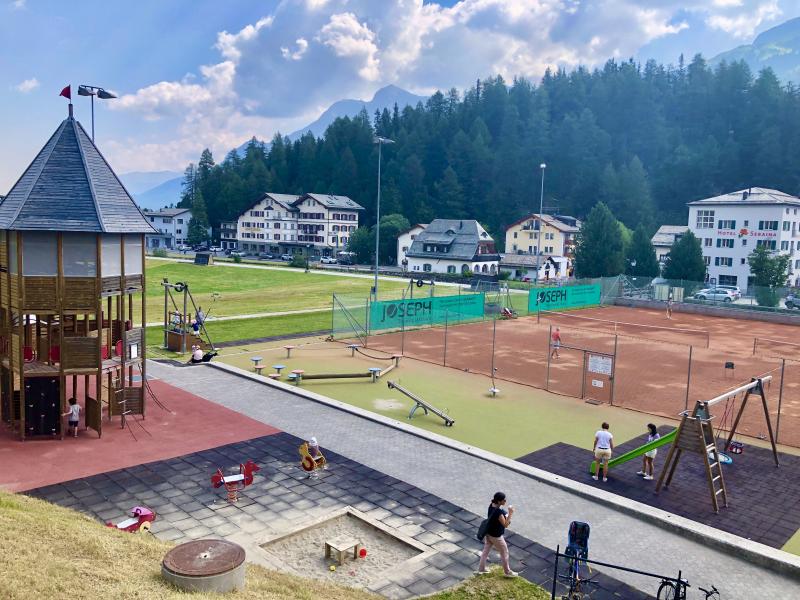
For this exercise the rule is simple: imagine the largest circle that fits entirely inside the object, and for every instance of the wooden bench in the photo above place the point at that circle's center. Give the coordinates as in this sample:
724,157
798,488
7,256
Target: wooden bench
338,547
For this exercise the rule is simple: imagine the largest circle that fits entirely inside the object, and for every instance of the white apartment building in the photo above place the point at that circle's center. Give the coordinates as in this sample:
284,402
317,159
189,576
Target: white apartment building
664,238
404,241
453,246
172,225
313,224
731,226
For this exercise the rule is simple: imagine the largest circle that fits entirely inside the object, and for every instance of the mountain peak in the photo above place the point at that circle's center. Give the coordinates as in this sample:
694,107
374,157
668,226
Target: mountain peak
777,48
385,97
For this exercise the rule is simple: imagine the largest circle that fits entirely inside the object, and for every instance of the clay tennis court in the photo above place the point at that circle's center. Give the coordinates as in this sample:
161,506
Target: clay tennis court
653,371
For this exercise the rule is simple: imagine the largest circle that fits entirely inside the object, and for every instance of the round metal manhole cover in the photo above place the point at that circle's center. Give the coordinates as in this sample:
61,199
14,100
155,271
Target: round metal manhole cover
202,558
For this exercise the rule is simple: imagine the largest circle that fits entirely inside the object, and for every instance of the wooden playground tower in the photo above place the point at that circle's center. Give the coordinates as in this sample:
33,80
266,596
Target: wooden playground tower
71,271
696,435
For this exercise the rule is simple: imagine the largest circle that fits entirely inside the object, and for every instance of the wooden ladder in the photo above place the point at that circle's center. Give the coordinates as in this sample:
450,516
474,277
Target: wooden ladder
711,457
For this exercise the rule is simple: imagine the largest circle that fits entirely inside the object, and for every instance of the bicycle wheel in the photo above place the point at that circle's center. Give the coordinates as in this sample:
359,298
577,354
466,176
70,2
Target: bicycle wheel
666,591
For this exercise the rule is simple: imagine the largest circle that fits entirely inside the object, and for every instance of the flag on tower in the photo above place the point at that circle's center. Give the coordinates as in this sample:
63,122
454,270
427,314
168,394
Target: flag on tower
67,93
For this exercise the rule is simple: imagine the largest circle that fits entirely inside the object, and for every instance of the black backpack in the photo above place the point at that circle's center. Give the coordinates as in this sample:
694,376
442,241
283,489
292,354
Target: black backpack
484,526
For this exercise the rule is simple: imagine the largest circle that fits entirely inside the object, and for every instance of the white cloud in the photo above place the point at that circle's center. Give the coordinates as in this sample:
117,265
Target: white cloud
27,86
302,46
18,4
349,38
288,66
743,24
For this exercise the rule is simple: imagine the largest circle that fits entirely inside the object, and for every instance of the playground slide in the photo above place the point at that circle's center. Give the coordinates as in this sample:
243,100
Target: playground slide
637,452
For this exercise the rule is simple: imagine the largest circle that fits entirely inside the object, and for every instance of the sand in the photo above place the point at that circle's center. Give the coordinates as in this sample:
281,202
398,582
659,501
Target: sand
303,553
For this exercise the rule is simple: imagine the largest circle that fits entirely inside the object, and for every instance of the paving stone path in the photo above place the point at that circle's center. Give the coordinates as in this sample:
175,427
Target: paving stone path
544,512
283,498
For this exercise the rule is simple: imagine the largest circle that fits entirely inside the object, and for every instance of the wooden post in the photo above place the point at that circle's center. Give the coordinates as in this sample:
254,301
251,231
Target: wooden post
184,320
142,353
614,369
21,333
549,352
780,401
688,379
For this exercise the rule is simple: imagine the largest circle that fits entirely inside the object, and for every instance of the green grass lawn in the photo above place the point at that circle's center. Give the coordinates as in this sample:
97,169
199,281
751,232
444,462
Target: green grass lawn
259,327
492,587
249,291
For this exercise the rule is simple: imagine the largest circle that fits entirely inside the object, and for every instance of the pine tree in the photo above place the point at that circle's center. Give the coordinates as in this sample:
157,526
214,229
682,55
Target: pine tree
188,186
451,195
198,224
600,249
685,259
641,256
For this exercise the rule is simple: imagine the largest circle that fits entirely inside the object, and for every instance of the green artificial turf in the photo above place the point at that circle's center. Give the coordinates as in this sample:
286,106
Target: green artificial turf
521,419
245,291
793,545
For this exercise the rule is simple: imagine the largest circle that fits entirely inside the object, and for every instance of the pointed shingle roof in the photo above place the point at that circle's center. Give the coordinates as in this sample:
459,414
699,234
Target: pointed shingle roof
69,186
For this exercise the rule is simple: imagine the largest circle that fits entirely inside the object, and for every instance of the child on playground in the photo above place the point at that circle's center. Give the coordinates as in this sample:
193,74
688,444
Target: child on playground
555,342
74,414
649,457
603,445
313,450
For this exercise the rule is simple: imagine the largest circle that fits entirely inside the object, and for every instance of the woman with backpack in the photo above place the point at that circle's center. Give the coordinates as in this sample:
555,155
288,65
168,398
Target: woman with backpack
491,532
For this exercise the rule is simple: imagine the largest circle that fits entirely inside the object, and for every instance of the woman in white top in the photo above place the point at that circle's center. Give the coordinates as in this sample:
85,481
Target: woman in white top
603,445
649,457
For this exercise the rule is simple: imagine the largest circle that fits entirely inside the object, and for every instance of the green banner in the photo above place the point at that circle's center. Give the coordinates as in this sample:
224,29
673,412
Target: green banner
395,314
566,297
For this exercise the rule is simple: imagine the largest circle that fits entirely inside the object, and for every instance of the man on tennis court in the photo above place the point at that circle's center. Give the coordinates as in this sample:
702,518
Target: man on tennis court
555,343
669,306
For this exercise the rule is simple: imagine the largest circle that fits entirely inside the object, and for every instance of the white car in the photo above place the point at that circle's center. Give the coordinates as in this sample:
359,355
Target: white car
327,260
733,289
215,249
715,294
238,253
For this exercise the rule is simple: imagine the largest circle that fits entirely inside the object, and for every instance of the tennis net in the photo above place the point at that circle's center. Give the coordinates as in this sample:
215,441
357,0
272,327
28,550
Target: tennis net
677,335
775,348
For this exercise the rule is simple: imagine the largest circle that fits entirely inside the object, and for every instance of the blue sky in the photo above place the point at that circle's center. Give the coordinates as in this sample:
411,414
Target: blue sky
195,73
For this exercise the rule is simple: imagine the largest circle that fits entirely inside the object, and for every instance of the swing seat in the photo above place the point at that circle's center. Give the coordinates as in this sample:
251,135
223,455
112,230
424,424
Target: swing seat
736,448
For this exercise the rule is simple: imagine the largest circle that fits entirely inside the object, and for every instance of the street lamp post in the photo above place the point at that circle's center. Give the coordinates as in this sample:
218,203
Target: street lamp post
308,255
539,233
93,90
380,141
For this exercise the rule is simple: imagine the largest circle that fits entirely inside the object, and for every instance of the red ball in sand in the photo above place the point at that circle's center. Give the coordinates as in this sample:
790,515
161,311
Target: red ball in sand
362,553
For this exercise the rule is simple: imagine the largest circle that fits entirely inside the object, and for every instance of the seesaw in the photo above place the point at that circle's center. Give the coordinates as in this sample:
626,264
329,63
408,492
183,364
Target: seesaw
372,373
420,403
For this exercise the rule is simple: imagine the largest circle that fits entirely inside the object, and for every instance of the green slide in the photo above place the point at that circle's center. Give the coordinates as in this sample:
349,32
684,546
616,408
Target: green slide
636,452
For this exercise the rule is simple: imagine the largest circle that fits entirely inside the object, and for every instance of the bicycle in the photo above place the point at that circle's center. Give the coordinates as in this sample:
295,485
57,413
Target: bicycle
671,590
577,551
576,583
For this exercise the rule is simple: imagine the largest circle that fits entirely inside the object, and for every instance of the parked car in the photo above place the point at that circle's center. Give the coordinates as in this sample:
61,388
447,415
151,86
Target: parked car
183,248
238,253
266,255
715,294
327,260
287,257
733,289
200,248
792,300
215,249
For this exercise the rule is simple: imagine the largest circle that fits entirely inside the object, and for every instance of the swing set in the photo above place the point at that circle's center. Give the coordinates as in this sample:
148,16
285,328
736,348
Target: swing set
696,435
